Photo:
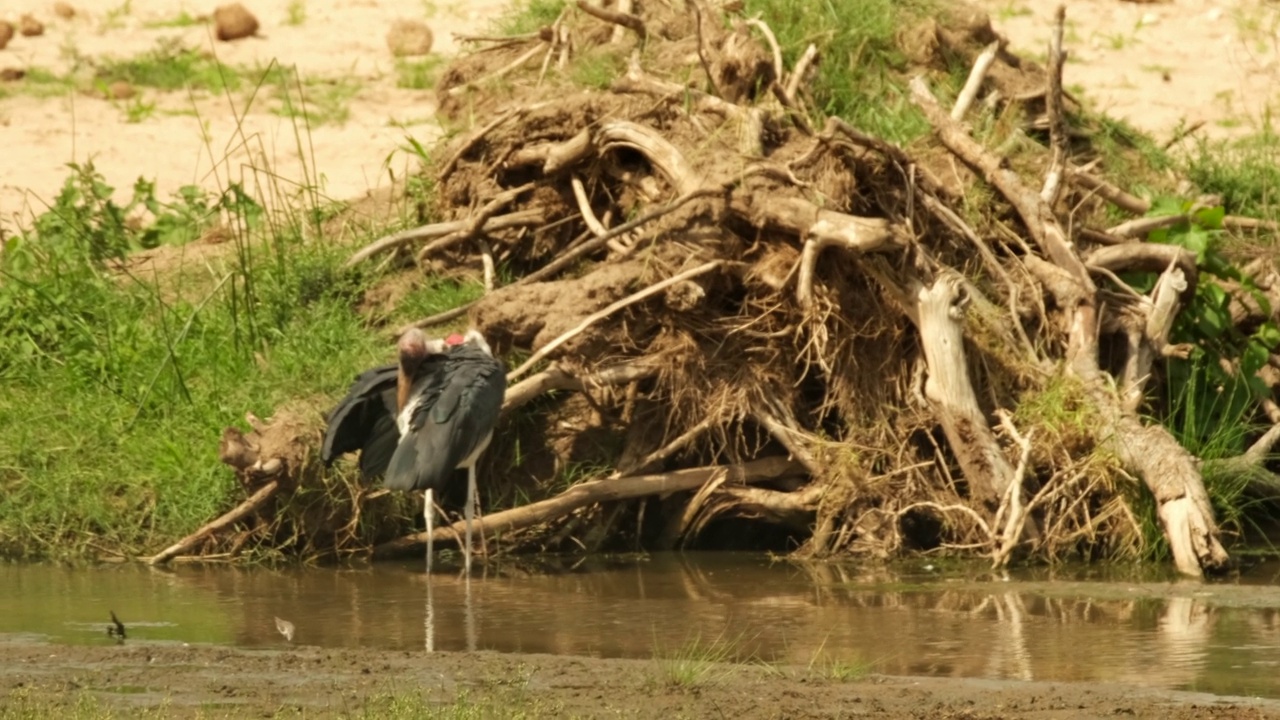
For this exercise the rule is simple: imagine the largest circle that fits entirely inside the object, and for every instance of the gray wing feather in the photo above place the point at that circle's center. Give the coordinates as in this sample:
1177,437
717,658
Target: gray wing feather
457,415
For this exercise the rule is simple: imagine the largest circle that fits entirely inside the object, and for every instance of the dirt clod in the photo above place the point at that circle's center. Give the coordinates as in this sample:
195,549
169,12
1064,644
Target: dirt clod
11,74
120,90
408,38
64,10
6,33
233,22
30,27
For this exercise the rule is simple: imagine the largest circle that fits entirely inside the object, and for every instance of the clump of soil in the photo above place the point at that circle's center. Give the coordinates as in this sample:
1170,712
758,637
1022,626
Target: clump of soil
30,27
407,38
769,321
233,22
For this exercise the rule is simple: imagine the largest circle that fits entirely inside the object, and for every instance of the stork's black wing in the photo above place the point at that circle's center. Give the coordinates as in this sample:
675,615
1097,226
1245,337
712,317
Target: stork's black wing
457,414
357,418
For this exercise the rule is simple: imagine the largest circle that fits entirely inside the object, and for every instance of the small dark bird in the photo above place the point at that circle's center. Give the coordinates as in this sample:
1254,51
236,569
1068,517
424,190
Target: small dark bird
116,628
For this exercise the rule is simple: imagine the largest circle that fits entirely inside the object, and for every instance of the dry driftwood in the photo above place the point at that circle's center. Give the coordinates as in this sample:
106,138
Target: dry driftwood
598,491
251,505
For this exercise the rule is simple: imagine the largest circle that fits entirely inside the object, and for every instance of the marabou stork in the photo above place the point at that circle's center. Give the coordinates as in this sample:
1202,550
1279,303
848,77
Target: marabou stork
417,421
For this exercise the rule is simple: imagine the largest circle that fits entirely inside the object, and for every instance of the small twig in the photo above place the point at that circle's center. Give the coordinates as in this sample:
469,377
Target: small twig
786,433
476,223
1057,123
1141,226
554,44
625,19
1182,133
702,48
962,509
1017,516
684,440
486,259
520,218
500,72
496,38
626,7
584,207
763,27
971,86
566,46
792,89
600,315
556,378
1110,193
447,168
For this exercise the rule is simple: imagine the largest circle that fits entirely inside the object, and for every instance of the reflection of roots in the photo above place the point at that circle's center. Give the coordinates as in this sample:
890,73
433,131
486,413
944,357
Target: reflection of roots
710,281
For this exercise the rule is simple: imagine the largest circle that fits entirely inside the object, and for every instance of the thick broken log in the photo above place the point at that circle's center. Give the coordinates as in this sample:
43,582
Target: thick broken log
939,309
597,491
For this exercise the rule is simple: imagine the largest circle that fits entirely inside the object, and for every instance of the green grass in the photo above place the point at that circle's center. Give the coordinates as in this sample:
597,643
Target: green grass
170,66
597,69
118,384
317,101
862,74
24,704
181,20
526,16
1244,171
419,74
296,13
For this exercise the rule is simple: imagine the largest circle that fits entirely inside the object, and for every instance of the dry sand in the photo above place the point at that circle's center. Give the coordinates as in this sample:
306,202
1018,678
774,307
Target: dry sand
1157,65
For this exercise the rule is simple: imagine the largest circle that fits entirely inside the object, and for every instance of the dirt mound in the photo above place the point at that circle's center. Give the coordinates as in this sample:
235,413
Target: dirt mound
789,333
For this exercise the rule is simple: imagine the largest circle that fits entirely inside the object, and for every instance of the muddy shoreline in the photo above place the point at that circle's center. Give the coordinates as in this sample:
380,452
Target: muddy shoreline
181,681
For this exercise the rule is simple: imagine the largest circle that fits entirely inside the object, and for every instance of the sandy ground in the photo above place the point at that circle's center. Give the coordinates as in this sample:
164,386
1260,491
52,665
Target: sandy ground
207,139
325,683
1158,65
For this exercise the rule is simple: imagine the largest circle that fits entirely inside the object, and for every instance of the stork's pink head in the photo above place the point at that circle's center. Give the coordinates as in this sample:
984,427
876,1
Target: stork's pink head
454,340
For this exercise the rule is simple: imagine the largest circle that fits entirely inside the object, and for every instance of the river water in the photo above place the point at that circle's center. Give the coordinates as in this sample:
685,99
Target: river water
1075,624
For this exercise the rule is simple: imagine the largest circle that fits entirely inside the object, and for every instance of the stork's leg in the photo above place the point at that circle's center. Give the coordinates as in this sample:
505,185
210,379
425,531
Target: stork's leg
431,616
470,513
429,512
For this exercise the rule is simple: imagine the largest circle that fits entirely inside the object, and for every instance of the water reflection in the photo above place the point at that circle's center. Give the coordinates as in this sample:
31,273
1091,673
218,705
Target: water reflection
1041,626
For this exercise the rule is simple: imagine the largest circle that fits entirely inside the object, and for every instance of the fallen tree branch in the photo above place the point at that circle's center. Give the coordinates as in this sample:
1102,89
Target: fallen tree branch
598,491
240,512
477,221
606,312
521,218
556,378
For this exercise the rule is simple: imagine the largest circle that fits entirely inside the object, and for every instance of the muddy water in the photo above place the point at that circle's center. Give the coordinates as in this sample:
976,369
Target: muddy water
1067,624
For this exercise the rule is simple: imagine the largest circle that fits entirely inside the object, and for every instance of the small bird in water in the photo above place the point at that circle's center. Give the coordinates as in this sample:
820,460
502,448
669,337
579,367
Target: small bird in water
286,629
116,628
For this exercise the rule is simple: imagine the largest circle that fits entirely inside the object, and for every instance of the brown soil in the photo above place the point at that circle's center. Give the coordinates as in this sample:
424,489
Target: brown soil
335,683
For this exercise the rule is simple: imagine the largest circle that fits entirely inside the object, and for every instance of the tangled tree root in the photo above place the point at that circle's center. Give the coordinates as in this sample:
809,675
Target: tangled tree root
797,326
